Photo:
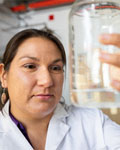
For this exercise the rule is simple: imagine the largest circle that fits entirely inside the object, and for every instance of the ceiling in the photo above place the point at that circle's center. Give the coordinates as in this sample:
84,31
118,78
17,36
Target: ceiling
12,9
21,6
11,3
13,13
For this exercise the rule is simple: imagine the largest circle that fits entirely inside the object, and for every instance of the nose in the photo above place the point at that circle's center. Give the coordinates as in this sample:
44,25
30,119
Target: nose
44,78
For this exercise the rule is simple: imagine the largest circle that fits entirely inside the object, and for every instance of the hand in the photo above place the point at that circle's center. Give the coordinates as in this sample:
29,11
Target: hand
112,59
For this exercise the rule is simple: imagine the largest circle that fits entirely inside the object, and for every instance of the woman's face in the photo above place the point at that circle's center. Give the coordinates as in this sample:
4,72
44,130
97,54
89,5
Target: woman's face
35,78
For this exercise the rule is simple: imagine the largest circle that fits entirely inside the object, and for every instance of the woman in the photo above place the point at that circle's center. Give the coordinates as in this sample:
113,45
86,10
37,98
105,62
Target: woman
32,72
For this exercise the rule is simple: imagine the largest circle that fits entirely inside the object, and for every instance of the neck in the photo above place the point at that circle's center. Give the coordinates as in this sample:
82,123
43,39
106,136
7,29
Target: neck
38,123
37,130
33,122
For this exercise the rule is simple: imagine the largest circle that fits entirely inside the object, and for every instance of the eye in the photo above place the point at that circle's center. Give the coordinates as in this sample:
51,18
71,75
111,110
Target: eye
30,66
56,69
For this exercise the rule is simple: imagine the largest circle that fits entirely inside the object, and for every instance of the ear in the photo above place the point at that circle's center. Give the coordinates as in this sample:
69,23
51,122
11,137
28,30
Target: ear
3,76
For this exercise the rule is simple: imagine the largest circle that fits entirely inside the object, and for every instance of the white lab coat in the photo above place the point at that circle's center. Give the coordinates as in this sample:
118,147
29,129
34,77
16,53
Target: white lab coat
70,128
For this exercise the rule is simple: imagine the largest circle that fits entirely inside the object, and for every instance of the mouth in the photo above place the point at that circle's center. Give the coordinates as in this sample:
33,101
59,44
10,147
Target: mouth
43,96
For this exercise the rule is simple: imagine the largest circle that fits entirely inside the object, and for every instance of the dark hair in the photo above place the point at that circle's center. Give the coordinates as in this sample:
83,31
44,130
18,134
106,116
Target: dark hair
19,38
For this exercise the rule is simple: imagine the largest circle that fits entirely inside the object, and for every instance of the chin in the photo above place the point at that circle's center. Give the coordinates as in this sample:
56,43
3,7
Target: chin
42,109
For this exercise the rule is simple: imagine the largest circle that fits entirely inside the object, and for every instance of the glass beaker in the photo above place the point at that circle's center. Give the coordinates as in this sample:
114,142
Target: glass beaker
89,78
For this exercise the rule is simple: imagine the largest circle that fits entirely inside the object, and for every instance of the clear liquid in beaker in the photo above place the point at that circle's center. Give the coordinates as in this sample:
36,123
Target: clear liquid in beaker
89,78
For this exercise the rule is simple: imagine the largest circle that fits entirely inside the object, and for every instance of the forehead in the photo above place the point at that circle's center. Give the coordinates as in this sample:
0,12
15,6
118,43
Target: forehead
38,42
32,41
38,47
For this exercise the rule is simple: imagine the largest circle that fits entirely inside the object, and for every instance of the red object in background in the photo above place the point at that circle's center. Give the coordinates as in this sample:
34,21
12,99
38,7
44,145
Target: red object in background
41,4
19,8
48,3
51,17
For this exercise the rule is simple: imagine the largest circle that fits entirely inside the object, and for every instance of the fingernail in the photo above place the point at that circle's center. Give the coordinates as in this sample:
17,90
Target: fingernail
104,56
104,36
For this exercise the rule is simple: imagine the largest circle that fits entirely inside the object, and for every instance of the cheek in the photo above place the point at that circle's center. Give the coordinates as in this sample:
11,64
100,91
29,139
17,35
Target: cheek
59,83
18,84
19,77
18,81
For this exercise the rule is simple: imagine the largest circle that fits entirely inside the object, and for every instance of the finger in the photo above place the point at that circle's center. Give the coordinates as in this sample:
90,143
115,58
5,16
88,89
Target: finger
113,59
115,84
112,39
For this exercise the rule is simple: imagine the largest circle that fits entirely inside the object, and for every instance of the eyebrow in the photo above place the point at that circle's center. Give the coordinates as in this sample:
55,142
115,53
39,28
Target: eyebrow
29,57
57,60
36,59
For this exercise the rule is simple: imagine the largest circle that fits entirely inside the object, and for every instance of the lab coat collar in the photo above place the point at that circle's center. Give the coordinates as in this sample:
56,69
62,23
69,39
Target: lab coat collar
12,138
57,128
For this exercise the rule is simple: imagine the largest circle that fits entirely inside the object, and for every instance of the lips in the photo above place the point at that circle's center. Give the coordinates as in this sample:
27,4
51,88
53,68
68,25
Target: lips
43,96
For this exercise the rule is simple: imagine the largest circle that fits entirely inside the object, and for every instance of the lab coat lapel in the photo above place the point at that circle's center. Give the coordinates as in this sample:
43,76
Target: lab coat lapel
14,140
57,128
11,137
